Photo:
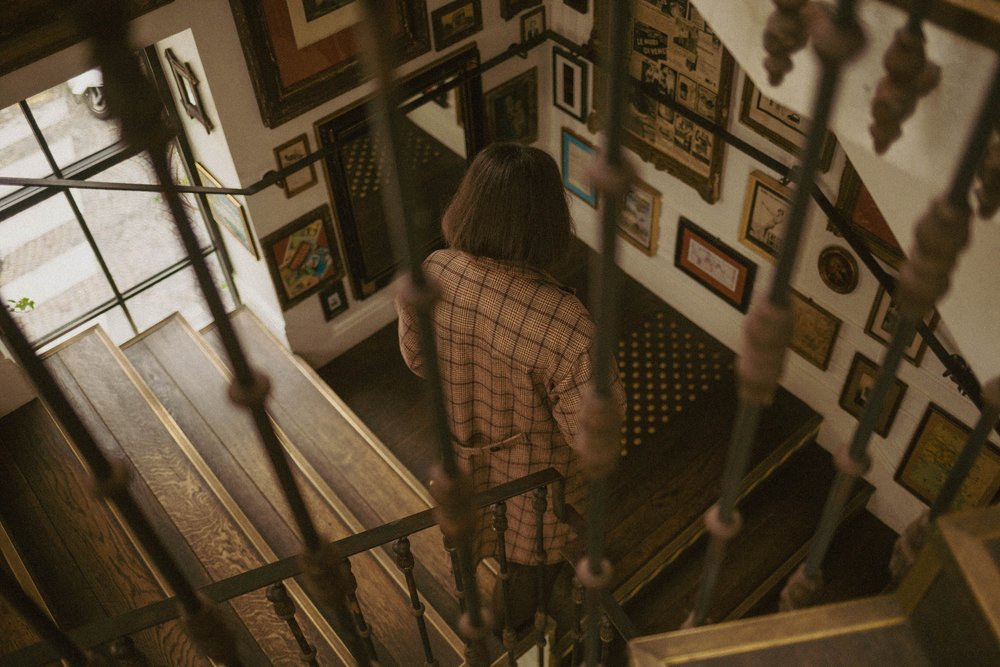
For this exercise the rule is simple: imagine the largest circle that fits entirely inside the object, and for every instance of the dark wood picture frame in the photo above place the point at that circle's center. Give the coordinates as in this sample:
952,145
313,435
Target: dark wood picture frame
443,20
187,90
582,6
289,80
576,155
512,109
290,152
511,8
303,256
765,208
932,452
814,330
882,319
860,380
680,60
333,299
780,125
715,265
861,213
838,269
227,211
570,85
530,32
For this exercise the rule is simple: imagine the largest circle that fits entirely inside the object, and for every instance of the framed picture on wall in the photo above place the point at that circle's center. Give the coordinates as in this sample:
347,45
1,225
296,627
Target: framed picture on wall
289,153
861,213
334,300
512,109
577,156
455,21
579,5
511,8
303,256
882,320
714,265
532,25
931,455
838,269
569,83
764,212
187,89
640,217
814,330
782,126
228,211
858,386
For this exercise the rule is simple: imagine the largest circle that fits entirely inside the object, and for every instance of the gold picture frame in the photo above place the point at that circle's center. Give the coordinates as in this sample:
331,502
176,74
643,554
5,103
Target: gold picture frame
765,208
780,125
859,382
639,223
227,211
882,320
814,330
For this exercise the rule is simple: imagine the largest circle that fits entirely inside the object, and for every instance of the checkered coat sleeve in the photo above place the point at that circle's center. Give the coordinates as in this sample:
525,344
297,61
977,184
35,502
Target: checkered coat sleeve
514,350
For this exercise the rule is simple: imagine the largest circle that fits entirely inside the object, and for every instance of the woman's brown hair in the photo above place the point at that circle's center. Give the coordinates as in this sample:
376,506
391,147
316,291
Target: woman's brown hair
510,206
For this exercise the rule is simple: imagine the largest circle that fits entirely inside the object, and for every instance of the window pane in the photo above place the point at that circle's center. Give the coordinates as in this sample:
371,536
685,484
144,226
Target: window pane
44,257
179,293
72,131
19,151
134,230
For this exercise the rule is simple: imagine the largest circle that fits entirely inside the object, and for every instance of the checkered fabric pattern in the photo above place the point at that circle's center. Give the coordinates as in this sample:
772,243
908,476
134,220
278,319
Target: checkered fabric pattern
514,350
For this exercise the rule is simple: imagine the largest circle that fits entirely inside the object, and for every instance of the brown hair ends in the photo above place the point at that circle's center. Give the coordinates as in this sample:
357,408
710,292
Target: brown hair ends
510,206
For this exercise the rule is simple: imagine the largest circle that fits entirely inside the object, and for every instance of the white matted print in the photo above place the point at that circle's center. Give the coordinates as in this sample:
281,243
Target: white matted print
640,217
569,83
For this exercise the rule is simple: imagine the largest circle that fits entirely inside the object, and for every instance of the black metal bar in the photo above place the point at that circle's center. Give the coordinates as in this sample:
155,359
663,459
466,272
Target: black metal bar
39,621
405,562
503,581
539,504
284,608
364,630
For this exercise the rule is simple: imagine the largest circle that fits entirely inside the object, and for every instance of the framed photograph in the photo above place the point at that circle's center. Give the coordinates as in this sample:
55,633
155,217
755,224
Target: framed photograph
291,152
782,126
569,83
855,203
577,156
764,211
333,300
838,269
187,89
303,256
882,321
581,6
455,21
814,330
532,25
675,57
301,53
228,211
512,109
931,455
858,386
640,218
511,8
715,265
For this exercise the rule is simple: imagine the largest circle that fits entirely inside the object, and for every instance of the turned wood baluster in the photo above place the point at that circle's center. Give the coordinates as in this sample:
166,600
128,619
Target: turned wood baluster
284,608
939,236
540,504
909,76
500,528
126,654
786,32
405,562
364,630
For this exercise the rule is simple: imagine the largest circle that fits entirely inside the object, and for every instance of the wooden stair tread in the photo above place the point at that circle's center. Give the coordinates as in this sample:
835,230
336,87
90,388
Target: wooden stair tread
191,383
198,522
14,632
779,519
82,561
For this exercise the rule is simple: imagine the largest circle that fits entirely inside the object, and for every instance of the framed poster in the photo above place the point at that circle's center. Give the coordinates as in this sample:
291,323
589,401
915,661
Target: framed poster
862,215
858,386
814,330
714,265
882,321
764,211
228,211
569,83
640,217
334,301
675,57
511,8
290,152
290,78
932,453
303,256
577,156
512,109
779,124
455,21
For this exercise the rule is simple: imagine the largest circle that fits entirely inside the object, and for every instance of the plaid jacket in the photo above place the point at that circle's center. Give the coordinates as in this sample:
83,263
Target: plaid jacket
514,349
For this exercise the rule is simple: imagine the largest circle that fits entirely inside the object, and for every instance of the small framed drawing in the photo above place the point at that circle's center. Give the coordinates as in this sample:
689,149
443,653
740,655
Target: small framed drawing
290,152
640,217
714,264
512,109
814,330
838,269
577,156
931,455
303,256
779,124
857,387
455,21
334,300
532,25
569,83
228,211
511,8
861,213
764,211
882,321
187,88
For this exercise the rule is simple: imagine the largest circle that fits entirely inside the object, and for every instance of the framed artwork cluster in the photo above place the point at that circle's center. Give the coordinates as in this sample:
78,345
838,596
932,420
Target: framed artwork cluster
455,21
782,126
228,211
512,109
714,265
303,256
